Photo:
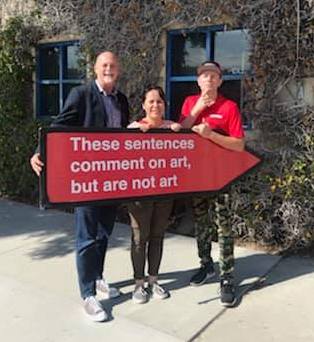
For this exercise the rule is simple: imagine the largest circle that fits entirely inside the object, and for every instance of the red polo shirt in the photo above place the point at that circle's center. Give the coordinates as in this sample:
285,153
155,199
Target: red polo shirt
223,116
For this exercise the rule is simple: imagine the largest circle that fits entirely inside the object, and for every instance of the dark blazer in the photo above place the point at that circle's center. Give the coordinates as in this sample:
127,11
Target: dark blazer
84,108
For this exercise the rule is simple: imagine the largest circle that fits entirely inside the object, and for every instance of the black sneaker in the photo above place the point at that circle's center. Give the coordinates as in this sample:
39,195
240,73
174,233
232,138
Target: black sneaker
205,272
227,292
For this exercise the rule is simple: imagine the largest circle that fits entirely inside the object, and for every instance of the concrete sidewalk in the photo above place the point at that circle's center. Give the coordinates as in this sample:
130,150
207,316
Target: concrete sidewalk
40,301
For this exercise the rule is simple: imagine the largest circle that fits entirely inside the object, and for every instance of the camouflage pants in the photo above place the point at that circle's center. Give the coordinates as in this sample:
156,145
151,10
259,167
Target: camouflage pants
211,216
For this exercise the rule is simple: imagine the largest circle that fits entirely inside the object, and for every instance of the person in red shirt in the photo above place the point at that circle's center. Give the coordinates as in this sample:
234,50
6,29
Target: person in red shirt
218,119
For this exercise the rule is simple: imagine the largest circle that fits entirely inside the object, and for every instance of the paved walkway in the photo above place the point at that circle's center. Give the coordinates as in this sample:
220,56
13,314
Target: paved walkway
40,302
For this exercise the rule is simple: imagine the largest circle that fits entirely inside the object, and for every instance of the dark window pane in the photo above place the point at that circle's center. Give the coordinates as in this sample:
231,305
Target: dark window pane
232,50
72,68
49,100
67,88
232,90
49,63
188,51
179,91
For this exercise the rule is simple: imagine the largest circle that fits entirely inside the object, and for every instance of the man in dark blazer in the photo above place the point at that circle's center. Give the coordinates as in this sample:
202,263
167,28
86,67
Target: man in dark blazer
97,104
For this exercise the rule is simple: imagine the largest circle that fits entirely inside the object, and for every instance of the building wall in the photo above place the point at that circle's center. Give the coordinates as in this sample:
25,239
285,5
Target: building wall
298,92
11,8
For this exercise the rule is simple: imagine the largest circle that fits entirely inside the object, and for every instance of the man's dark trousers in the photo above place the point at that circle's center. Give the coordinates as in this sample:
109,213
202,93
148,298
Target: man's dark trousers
93,225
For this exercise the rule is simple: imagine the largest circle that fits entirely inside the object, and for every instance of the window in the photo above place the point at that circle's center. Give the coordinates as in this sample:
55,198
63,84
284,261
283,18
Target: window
58,70
187,49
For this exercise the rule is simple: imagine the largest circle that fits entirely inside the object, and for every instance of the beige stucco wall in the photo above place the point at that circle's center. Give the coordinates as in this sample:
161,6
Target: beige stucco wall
60,38
301,92
11,8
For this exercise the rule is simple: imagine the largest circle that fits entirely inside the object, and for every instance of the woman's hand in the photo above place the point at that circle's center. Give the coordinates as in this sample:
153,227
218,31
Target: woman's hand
144,127
175,127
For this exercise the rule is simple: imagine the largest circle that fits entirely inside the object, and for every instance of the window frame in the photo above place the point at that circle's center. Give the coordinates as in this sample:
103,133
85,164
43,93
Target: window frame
61,81
210,54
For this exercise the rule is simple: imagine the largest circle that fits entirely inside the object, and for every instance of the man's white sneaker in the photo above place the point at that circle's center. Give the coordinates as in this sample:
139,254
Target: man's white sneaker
106,290
94,310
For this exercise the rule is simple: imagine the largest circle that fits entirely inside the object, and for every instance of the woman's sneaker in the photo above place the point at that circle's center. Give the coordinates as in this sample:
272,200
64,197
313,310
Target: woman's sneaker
94,310
139,295
157,291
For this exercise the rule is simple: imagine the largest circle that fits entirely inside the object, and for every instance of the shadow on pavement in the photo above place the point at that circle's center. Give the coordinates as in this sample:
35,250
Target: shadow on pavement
54,232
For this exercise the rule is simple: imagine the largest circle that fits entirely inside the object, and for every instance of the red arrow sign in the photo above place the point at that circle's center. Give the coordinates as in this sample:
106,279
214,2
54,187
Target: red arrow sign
83,166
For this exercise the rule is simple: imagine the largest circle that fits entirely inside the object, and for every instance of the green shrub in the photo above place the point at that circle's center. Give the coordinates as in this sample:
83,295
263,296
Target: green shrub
274,205
17,128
